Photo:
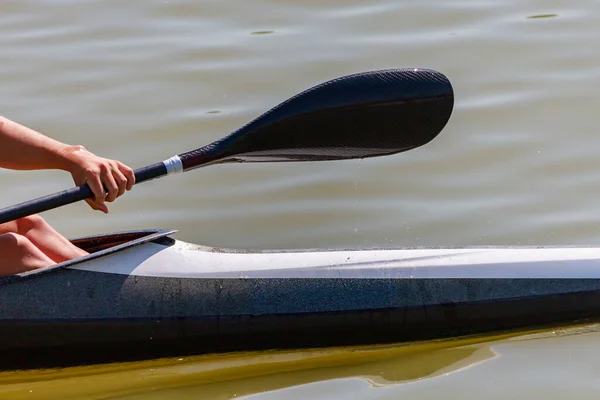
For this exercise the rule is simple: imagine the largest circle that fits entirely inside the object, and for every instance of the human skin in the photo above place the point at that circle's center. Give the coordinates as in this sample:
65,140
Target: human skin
30,243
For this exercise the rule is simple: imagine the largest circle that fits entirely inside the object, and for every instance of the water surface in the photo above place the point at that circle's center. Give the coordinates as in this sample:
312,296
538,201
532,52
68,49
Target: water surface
517,164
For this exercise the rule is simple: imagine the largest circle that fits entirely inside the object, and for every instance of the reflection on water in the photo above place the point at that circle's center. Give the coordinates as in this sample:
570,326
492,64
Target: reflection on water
237,374
303,374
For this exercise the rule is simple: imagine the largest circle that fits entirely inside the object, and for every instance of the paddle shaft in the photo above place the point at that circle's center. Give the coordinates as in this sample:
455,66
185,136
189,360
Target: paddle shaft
72,195
193,159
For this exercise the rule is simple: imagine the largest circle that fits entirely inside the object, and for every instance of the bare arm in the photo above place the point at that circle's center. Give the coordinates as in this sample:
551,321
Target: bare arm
22,148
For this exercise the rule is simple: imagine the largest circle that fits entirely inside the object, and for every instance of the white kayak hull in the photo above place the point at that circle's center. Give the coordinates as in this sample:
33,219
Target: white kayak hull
149,289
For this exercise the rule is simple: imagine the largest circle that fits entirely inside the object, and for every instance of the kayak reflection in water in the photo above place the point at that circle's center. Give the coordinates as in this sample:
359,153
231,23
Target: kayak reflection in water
30,243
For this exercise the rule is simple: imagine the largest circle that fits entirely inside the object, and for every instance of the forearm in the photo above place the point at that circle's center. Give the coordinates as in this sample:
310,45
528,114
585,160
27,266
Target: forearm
25,149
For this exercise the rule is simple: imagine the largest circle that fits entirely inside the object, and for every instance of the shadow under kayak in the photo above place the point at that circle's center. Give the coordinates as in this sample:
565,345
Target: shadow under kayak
148,293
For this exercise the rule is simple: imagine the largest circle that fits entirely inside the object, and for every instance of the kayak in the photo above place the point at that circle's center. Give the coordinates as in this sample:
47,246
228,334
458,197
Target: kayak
145,288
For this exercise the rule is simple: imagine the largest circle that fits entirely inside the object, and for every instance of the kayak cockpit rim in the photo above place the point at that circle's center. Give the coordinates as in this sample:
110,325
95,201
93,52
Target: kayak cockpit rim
102,245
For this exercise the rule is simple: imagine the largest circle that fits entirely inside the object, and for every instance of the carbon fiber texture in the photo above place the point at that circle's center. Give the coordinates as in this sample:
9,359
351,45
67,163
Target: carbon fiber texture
356,116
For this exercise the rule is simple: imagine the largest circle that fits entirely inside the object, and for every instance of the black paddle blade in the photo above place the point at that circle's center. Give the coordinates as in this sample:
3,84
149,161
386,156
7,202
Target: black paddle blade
356,116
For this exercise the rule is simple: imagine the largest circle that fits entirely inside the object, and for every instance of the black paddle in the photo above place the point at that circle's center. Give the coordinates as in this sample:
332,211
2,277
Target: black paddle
356,116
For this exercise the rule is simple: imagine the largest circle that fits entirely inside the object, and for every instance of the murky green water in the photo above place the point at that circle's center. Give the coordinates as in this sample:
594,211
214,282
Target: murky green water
143,80
545,364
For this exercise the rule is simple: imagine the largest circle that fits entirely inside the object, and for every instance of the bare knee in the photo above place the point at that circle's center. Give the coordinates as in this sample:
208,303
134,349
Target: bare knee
16,244
20,255
29,223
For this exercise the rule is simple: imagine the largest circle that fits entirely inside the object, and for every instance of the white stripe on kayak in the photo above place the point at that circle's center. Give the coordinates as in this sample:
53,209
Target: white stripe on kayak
188,261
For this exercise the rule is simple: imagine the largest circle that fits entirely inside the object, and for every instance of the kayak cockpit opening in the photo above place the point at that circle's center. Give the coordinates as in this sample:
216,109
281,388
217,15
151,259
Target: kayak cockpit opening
97,243
99,246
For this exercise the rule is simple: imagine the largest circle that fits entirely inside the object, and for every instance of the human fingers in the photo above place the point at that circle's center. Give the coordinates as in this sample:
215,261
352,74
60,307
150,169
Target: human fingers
95,184
96,206
120,179
128,173
109,183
